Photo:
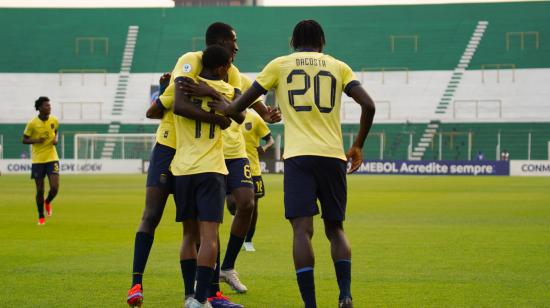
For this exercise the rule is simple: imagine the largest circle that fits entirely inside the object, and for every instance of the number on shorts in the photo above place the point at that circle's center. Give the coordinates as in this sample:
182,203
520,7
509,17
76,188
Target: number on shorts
247,173
260,186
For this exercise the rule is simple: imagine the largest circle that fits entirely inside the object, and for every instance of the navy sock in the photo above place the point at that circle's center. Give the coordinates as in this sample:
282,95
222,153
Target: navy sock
142,247
250,234
343,276
188,272
306,284
50,197
204,278
215,285
40,205
233,247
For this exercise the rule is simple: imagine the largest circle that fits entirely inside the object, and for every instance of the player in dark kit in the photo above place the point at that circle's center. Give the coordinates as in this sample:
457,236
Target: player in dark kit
41,133
308,86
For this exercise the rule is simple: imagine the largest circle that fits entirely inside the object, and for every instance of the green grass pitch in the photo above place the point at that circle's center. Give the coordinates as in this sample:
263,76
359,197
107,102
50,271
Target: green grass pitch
416,241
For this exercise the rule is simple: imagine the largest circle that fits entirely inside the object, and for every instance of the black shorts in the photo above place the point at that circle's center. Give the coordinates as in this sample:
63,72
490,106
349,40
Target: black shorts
200,197
39,171
239,174
311,178
158,174
259,188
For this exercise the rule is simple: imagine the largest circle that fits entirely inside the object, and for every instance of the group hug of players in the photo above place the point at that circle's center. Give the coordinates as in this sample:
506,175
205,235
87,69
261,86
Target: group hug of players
206,153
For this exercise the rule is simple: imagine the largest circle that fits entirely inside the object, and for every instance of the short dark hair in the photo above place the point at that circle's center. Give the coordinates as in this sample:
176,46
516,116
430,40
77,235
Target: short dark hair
38,103
217,32
215,56
308,33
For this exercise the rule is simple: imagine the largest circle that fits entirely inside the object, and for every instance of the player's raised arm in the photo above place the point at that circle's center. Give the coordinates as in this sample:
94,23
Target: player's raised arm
269,114
183,107
367,115
269,142
242,102
156,110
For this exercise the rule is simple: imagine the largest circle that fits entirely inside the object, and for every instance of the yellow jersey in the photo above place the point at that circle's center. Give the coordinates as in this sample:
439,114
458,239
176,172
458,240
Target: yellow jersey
254,129
233,142
308,88
166,134
188,65
36,128
199,147
234,145
246,83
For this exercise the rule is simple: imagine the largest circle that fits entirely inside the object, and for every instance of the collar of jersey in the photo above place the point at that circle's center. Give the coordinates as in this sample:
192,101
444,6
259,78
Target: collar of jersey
306,50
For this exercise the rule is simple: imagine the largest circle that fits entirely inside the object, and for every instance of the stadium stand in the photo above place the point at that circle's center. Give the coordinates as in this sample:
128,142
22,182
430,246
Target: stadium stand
458,73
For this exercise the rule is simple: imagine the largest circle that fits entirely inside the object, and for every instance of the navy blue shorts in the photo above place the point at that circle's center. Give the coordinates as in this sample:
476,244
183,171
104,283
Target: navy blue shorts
239,174
39,171
259,188
200,197
158,174
311,178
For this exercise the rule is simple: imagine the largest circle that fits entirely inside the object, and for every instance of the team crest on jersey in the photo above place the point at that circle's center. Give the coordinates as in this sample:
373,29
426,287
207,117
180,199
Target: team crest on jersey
248,126
187,68
52,126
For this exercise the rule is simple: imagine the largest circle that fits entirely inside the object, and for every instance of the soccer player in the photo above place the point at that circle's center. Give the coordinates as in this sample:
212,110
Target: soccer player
159,186
199,169
308,86
239,181
41,133
240,191
254,130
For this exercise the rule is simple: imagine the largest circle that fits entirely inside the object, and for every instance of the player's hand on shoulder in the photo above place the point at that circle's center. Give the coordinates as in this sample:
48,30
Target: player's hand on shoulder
355,155
184,84
273,115
218,105
201,88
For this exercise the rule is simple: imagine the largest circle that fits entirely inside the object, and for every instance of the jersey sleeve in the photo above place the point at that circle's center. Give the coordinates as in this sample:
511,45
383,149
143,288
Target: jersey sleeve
246,83
269,76
166,100
28,129
349,81
262,129
234,78
188,65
